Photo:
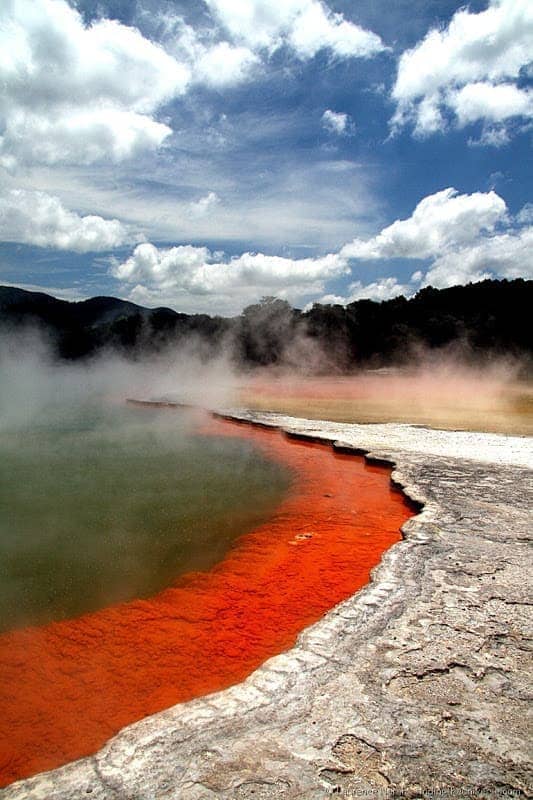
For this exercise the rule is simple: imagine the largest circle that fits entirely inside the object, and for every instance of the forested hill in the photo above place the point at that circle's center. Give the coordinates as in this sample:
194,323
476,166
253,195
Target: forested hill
487,318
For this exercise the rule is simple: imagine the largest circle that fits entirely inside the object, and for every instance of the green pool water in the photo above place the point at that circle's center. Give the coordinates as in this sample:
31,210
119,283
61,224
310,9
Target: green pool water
101,504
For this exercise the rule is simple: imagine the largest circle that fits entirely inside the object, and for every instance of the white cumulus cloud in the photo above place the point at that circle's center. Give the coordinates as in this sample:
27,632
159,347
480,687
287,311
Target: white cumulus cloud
218,64
223,65
307,26
336,121
508,255
379,290
40,219
77,94
79,136
483,101
469,70
464,238
440,221
194,277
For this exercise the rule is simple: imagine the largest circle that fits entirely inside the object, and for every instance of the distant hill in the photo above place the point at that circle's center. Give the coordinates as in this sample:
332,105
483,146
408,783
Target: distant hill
484,319
79,329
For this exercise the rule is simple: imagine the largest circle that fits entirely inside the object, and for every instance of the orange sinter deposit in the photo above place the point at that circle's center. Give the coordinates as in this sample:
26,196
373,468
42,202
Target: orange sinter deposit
69,686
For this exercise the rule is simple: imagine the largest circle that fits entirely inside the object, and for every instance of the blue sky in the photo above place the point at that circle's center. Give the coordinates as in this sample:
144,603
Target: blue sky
203,155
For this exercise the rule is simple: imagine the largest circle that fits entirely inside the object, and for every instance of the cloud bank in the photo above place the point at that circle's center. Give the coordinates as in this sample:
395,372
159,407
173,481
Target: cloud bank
189,276
465,238
452,238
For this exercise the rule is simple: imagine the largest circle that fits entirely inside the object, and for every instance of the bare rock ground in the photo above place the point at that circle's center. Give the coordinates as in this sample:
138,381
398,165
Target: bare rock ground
417,686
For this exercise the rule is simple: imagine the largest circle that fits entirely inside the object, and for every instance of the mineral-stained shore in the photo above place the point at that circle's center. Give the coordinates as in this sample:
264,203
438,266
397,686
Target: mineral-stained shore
419,683
67,687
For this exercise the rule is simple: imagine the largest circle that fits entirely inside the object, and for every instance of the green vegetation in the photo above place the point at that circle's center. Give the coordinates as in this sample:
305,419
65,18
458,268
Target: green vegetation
484,319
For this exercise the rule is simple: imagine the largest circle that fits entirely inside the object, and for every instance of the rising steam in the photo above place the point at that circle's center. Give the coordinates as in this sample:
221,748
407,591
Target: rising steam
34,384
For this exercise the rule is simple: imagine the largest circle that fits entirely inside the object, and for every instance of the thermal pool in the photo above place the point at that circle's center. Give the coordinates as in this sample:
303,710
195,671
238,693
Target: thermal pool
69,685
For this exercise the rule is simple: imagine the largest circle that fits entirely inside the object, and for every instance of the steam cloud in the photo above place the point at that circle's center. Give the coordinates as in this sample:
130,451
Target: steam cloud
35,385
442,388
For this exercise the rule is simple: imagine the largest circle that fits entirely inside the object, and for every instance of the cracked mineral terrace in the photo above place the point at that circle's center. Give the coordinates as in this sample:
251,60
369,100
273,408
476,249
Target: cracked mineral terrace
418,683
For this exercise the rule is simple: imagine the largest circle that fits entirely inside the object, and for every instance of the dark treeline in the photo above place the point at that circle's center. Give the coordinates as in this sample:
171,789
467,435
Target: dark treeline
483,319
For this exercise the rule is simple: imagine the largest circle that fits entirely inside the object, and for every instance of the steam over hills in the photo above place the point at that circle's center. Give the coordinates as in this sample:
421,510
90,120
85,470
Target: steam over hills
486,319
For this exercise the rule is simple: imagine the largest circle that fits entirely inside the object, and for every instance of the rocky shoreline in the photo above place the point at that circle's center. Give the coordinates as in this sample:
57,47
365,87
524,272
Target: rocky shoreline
417,684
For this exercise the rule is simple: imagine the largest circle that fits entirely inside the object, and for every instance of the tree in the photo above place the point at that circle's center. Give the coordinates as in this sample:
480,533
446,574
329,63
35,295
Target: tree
265,329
